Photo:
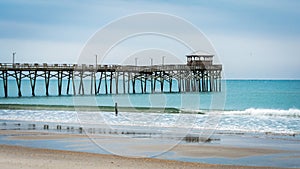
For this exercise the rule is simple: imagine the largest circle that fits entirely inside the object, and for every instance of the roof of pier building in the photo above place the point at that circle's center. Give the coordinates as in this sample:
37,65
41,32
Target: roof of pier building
199,58
200,53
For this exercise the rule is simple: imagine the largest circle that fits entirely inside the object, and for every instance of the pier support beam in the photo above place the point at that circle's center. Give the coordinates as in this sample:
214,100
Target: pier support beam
141,81
162,82
81,86
145,84
133,84
18,75
32,81
105,81
99,84
91,80
154,83
47,80
69,81
4,77
170,83
73,83
124,83
95,83
59,82
128,82
110,83
117,82
152,87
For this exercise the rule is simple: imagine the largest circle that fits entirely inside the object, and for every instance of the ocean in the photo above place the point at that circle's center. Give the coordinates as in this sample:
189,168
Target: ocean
255,106
247,113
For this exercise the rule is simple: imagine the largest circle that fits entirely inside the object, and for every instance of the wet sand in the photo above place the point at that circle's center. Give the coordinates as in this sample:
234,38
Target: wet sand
13,157
188,150
24,157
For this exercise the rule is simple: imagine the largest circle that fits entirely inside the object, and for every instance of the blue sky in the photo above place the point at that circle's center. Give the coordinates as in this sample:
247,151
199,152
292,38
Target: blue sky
254,39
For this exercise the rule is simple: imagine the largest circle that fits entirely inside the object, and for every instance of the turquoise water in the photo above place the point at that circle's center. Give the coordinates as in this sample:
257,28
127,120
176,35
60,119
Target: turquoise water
266,94
259,113
236,95
260,106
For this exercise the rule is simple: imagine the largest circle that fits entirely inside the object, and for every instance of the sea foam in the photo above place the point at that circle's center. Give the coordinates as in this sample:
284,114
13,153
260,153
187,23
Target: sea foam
265,112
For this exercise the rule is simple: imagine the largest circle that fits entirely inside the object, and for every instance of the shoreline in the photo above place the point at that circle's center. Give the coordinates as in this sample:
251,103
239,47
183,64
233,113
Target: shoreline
13,106
36,107
243,150
88,108
24,157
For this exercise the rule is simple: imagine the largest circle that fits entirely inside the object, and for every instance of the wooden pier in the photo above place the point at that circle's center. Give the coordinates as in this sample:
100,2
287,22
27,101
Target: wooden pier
198,75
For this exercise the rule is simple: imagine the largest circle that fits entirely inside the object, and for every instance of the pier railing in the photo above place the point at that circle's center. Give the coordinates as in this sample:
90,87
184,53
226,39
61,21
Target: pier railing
27,66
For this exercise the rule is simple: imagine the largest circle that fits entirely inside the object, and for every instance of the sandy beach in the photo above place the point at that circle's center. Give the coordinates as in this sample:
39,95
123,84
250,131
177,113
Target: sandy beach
12,156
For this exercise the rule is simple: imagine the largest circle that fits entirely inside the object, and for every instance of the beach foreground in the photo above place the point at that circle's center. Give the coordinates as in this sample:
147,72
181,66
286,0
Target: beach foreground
22,157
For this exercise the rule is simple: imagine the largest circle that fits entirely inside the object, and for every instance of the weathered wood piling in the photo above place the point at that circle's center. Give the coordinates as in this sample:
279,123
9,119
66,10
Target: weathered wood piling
198,75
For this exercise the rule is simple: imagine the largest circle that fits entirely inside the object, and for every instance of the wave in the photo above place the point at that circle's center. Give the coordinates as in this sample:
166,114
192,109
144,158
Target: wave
265,112
224,121
87,108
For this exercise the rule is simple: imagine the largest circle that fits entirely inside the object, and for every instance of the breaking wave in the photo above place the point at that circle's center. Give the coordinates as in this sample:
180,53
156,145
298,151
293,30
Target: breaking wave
266,112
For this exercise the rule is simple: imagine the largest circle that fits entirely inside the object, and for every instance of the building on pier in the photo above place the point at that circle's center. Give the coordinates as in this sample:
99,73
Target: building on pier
199,59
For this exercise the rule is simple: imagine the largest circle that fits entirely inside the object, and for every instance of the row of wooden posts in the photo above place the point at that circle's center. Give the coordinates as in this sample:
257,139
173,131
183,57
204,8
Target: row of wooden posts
82,130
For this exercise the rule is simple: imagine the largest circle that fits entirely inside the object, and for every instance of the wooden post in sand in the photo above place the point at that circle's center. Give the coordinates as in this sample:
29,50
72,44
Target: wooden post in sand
116,109
46,127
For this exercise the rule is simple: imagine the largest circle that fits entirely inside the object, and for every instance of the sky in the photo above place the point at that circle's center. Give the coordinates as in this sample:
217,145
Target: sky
253,39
